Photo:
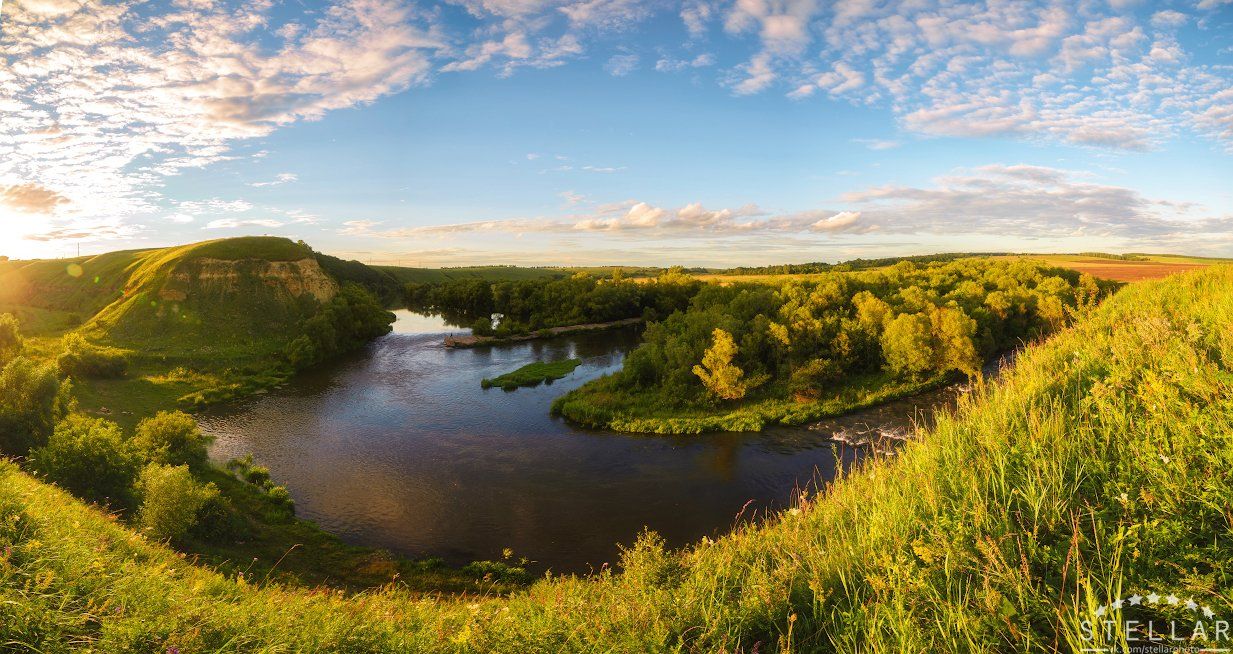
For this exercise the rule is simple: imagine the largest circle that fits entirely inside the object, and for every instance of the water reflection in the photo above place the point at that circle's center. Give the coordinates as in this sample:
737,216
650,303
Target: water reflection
398,446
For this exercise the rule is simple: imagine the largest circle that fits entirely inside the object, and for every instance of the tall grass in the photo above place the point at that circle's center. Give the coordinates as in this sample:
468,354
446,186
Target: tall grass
1098,466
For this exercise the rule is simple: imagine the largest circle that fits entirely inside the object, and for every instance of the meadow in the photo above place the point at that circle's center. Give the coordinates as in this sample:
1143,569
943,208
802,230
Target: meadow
1098,466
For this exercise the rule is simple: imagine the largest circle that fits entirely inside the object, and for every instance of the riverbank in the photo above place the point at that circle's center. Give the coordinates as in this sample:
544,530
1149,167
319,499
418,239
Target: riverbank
600,406
474,340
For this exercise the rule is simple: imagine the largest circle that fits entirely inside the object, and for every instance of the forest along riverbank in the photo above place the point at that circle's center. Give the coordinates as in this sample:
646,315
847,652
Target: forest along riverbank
398,447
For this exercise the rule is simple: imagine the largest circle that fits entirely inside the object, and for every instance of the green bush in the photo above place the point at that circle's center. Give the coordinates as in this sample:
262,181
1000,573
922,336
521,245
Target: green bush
91,459
170,500
218,522
10,338
81,359
281,497
257,476
32,401
172,438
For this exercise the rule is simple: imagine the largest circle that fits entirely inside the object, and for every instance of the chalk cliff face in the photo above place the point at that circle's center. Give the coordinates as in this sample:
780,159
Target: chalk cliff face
220,278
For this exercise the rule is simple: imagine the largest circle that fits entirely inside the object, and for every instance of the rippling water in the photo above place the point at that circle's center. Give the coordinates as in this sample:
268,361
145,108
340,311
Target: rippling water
397,446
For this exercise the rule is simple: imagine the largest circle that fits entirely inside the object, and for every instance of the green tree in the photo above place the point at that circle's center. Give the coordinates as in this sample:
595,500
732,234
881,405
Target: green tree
170,500
172,438
953,333
907,344
10,338
32,401
92,459
717,372
871,312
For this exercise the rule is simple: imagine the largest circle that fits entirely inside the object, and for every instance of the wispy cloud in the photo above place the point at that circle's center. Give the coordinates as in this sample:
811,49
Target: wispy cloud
101,100
31,198
1087,74
994,202
279,180
878,144
234,223
622,64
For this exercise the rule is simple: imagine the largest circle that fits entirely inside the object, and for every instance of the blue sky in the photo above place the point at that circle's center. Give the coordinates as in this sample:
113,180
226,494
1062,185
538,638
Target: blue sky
702,132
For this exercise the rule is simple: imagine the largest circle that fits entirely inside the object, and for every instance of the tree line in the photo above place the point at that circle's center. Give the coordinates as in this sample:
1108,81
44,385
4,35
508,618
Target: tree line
530,305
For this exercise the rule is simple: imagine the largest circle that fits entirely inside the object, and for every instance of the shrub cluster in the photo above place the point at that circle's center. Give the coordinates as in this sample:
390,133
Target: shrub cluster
259,477
80,358
32,400
146,474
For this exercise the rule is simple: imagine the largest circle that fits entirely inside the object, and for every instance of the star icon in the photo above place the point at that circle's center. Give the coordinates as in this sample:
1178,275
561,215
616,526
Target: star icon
1172,599
1153,598
1190,604
1208,613
1117,604
1100,611
1135,600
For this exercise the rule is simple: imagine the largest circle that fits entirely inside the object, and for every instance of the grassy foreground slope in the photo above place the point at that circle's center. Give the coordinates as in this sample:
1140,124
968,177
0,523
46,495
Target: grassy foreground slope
1100,466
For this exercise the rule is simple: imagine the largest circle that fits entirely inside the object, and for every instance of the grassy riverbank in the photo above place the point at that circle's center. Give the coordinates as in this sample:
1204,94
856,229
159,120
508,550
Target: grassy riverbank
533,374
1097,467
603,404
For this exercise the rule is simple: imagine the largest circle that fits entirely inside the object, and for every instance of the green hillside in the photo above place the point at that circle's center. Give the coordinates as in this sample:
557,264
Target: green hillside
190,324
228,298
1098,467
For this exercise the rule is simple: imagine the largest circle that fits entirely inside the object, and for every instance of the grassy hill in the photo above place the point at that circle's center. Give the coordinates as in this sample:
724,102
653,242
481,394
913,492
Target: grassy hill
1098,467
234,298
197,322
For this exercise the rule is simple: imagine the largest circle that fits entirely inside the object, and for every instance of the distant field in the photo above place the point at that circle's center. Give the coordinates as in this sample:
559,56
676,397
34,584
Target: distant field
1156,267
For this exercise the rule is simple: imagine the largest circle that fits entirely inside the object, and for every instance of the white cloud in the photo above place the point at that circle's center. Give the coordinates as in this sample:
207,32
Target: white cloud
755,76
1081,73
1169,19
878,144
1032,202
622,64
99,101
234,223
994,203
670,65
279,180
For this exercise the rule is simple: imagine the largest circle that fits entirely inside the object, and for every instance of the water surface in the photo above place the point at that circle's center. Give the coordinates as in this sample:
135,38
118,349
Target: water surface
397,446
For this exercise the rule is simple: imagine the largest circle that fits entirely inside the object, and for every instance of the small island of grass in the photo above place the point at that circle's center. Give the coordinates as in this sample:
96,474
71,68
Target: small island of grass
533,374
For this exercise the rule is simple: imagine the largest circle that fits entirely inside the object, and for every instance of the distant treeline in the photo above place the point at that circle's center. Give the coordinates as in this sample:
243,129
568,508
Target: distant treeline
533,304
852,264
1118,257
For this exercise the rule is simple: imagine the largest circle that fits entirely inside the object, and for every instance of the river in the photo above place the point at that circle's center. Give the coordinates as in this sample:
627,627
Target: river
397,446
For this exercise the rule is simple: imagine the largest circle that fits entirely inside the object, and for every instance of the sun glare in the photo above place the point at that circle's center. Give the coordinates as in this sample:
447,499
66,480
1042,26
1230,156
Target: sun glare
13,244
